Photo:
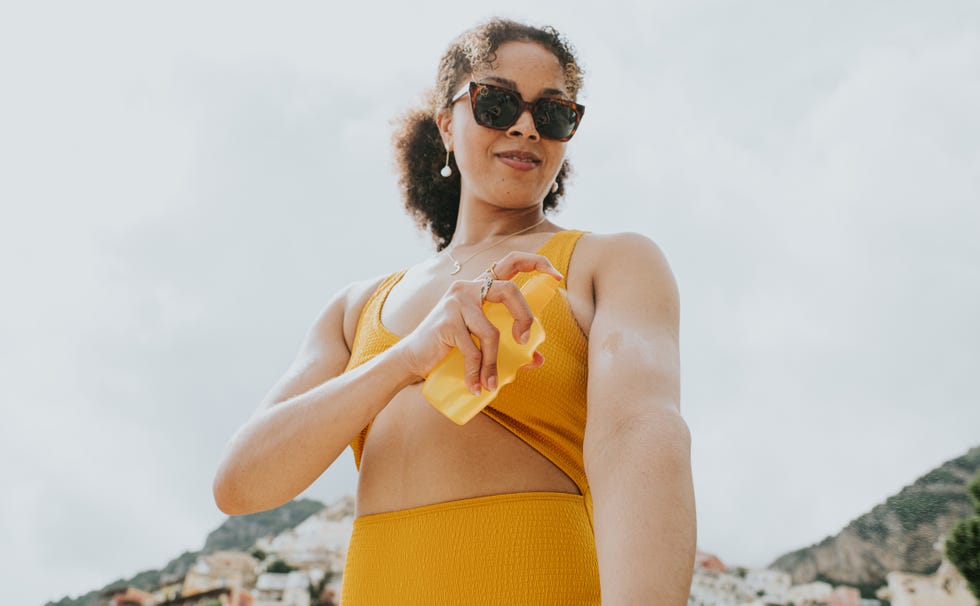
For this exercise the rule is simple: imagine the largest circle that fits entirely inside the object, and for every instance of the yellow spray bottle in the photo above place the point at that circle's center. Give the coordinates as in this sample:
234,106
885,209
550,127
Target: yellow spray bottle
445,386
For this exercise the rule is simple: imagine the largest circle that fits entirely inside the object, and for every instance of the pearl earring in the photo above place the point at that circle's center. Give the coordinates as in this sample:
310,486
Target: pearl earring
554,187
446,170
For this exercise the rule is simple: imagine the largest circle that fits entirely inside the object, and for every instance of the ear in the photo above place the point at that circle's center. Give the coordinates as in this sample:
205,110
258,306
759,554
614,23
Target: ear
444,121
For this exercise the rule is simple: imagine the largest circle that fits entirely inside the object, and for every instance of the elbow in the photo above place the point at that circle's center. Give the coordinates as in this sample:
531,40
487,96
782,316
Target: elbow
224,497
670,441
680,437
228,494
232,503
230,486
663,439
235,499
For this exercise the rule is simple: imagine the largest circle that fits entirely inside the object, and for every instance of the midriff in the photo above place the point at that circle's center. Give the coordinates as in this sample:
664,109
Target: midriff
436,460
415,456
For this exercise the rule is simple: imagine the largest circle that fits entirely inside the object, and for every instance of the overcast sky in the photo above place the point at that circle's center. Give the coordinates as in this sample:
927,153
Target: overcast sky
184,185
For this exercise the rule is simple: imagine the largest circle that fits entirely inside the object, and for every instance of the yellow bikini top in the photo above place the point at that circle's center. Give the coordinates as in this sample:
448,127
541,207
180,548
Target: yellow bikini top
545,406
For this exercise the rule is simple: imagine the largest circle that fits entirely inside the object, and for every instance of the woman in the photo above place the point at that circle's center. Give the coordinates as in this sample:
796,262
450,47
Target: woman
576,473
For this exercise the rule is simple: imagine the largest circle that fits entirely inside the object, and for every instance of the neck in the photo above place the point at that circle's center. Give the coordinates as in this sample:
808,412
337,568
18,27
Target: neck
472,230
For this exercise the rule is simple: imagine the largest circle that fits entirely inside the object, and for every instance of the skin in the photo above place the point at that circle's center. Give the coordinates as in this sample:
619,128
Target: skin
622,294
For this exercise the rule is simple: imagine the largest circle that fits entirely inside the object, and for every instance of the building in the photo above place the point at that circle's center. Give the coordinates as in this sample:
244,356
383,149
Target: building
286,588
128,596
768,581
708,561
711,588
226,596
945,587
816,592
842,595
235,569
319,541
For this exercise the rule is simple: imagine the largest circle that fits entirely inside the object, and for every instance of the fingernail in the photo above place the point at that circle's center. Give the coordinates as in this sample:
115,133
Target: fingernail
475,390
492,383
526,336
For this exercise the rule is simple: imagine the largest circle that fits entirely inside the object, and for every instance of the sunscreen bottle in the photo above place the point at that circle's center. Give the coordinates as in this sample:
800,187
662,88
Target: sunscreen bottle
445,386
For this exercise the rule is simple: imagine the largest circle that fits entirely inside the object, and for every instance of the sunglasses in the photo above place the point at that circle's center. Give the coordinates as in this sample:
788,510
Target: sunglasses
499,108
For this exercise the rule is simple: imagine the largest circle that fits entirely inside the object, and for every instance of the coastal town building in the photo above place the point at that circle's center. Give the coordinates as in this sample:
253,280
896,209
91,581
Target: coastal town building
285,588
128,596
234,569
714,584
816,592
707,561
945,587
842,595
769,582
320,541
226,596
303,566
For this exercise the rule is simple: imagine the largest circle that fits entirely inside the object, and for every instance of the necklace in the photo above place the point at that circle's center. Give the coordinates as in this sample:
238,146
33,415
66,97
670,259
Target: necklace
457,265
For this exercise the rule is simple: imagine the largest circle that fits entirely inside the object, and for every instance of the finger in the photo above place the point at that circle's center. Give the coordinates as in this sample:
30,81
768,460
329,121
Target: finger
489,337
536,361
471,360
516,262
508,293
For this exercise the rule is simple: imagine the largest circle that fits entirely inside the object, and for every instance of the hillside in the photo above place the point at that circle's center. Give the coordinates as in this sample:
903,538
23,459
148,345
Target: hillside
237,532
899,534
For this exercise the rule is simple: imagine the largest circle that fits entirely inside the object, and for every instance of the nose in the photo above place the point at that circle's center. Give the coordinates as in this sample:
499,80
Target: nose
524,126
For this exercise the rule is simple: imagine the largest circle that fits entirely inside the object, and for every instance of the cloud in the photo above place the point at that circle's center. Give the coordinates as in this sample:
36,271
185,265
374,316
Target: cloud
184,193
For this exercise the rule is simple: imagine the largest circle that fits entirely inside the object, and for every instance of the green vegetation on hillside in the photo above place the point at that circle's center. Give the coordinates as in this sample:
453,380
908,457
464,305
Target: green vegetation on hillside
241,532
238,533
963,544
904,525
915,508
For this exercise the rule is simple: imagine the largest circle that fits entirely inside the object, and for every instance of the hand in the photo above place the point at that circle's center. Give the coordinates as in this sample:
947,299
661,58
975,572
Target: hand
458,316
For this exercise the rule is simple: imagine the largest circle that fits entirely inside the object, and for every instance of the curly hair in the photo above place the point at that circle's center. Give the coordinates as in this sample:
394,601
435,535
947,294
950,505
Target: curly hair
433,200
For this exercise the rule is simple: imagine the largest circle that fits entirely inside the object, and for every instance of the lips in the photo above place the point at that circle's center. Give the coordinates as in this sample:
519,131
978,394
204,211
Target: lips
521,160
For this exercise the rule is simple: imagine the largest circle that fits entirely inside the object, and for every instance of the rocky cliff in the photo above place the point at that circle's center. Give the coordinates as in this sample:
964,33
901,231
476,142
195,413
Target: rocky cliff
899,534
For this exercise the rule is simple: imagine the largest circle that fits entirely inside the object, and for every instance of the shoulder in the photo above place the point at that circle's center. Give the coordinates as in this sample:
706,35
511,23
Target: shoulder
634,339
609,247
339,315
624,255
353,297
633,284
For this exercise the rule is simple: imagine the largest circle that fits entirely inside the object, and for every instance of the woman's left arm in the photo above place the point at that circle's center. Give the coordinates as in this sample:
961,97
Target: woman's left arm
637,446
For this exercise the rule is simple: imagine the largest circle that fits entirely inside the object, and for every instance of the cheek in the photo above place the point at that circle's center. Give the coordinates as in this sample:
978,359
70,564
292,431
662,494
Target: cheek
471,147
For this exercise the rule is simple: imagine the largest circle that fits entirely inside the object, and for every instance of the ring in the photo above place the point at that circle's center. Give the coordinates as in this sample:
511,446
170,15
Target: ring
487,283
490,270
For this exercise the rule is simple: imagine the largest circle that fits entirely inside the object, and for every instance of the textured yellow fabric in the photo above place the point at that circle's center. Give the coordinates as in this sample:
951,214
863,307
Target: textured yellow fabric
526,548
545,406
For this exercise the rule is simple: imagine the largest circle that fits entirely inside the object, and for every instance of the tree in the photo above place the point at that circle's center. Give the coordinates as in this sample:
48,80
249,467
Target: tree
963,544
280,566
318,593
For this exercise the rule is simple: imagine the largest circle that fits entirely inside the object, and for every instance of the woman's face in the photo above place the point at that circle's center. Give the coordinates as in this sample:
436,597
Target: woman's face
513,168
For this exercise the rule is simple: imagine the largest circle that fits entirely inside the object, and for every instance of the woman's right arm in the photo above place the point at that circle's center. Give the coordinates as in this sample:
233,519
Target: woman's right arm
309,417
317,409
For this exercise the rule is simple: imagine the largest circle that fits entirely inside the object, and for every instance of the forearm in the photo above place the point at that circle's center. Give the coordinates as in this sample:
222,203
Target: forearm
644,513
280,451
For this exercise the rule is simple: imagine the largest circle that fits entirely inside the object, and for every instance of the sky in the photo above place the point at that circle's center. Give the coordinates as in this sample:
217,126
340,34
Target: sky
184,185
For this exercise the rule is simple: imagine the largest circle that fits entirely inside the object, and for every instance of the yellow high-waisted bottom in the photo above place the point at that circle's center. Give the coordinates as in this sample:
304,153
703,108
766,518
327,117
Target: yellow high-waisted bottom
534,548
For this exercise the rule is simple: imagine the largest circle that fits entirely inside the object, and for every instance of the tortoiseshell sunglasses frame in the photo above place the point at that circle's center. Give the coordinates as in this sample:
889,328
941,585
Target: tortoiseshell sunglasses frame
473,88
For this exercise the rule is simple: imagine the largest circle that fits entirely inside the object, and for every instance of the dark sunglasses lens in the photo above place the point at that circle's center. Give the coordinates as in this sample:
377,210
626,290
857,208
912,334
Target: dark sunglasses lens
495,109
555,120
500,109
